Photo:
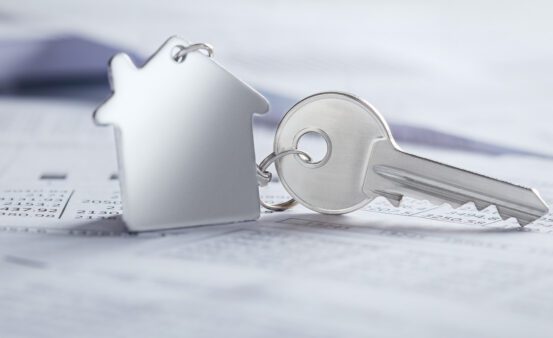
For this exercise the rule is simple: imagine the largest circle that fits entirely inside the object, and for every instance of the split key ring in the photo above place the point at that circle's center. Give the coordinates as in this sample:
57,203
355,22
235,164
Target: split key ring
264,176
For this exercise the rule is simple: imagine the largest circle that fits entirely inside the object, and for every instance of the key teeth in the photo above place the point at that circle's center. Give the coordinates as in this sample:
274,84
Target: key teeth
501,213
481,206
395,203
475,205
392,197
504,215
522,222
454,205
396,199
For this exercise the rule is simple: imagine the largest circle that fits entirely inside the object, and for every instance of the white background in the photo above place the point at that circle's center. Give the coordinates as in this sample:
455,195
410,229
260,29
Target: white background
476,68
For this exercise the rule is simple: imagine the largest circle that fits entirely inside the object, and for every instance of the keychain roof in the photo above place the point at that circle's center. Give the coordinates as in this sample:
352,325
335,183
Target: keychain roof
183,128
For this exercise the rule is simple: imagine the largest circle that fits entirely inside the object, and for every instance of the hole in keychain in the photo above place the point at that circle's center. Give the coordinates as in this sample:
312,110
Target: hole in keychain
313,141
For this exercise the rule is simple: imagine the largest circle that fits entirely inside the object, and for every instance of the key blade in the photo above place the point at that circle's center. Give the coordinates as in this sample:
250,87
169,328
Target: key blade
394,172
525,204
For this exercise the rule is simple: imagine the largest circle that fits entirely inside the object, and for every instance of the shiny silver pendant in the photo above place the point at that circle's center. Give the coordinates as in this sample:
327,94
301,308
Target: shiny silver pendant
183,128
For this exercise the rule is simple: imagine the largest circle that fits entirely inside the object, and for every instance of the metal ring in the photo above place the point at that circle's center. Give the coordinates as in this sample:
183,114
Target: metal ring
180,56
263,177
264,174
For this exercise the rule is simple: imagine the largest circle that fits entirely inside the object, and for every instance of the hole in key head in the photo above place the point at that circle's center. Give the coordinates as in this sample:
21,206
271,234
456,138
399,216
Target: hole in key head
316,144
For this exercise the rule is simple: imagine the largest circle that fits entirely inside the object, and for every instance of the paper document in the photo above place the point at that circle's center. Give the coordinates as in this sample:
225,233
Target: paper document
70,268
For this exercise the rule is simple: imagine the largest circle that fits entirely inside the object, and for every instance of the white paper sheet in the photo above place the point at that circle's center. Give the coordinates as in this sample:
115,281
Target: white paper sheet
69,267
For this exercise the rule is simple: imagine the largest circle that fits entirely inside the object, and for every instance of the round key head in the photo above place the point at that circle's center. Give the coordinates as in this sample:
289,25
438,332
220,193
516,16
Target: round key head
333,184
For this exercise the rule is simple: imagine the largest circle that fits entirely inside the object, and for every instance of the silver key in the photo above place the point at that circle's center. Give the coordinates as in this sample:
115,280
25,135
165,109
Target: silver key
363,161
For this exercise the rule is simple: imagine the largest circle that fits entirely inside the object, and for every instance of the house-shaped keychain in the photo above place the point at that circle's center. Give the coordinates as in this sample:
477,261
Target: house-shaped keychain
184,139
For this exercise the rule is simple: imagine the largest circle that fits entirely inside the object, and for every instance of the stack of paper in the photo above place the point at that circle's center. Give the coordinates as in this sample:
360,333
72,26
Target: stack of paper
69,267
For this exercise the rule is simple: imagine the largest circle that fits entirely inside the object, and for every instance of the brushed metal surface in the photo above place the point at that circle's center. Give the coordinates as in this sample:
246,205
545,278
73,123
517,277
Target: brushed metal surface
184,140
363,161
335,184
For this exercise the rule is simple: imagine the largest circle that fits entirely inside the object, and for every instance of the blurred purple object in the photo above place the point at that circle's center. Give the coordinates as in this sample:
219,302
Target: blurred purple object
31,64
74,67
